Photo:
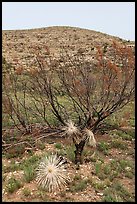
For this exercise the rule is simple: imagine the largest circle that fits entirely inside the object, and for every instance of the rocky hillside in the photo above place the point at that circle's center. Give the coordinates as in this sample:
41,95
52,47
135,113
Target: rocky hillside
17,44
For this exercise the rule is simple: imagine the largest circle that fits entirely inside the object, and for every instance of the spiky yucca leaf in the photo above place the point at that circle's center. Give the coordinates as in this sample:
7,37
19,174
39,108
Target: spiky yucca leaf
73,131
70,128
51,174
90,141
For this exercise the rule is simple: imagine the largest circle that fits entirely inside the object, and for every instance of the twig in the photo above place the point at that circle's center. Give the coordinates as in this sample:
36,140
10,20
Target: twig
10,145
49,135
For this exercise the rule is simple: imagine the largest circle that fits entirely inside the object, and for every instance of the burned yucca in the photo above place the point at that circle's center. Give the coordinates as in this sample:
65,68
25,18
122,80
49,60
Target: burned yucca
80,137
90,141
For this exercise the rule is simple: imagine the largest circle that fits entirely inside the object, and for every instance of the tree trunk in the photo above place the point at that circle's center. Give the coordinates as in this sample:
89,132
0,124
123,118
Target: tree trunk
78,151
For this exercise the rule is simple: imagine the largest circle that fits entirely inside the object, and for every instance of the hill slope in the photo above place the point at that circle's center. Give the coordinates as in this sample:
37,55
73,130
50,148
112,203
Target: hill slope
16,44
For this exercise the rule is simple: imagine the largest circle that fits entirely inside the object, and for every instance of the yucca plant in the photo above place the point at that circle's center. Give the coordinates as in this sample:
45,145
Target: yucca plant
51,173
80,139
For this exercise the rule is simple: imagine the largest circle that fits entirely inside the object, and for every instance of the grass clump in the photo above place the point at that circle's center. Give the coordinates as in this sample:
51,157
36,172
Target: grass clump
117,193
13,185
78,186
40,145
112,198
107,169
129,175
77,177
98,185
12,167
70,153
29,173
101,170
42,195
98,167
122,191
58,145
16,151
26,192
118,143
129,135
31,161
103,147
113,169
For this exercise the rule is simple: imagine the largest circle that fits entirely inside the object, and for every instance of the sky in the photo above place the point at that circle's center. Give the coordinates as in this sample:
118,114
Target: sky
113,18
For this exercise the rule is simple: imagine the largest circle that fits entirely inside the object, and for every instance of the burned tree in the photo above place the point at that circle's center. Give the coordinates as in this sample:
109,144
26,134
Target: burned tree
82,89
87,91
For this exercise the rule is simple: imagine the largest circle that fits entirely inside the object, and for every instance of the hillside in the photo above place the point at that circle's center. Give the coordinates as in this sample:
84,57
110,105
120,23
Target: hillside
16,44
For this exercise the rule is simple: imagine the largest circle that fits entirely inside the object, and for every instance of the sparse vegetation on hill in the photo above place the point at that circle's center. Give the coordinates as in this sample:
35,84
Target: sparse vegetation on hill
16,44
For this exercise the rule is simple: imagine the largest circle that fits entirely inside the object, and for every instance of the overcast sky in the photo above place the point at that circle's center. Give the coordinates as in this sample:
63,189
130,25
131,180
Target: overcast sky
114,18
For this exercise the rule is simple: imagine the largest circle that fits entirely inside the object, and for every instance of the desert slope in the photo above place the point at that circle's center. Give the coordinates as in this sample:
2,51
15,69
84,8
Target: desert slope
16,44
